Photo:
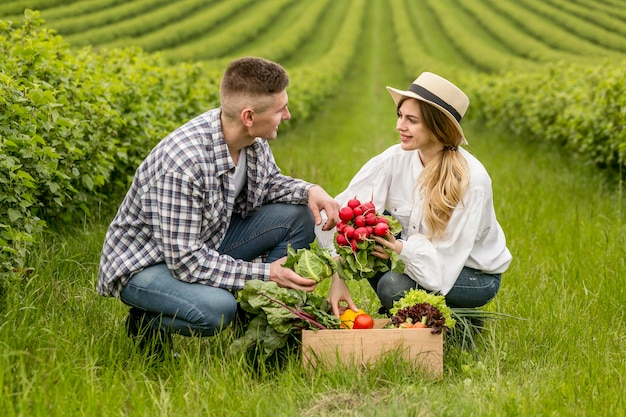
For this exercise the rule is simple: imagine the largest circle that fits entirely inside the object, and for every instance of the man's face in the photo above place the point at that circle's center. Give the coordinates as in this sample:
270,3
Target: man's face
266,122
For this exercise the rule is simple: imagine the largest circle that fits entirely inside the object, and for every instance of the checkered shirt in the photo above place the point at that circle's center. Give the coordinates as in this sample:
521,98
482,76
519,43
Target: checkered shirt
179,207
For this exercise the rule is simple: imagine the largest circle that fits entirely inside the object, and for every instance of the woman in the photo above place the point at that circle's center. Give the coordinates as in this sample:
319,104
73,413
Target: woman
451,242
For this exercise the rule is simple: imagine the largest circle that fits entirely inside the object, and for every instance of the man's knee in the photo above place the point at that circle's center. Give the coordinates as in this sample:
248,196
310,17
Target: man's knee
211,318
301,214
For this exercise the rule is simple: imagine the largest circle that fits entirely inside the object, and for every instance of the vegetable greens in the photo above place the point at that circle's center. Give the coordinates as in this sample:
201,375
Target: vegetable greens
361,263
315,263
277,313
416,296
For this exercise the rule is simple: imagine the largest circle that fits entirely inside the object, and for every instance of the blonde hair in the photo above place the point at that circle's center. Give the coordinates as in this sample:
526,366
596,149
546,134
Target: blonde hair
444,179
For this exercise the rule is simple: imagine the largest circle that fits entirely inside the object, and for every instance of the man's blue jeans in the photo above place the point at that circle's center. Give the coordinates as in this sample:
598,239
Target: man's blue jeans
472,288
199,309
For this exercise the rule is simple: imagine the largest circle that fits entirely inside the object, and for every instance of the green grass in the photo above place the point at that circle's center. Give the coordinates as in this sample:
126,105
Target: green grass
63,351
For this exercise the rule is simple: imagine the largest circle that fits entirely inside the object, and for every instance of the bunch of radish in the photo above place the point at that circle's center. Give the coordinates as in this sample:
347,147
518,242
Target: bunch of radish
358,222
354,243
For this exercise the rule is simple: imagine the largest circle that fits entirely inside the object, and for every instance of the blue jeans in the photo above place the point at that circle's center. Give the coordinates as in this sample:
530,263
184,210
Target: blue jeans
200,309
472,288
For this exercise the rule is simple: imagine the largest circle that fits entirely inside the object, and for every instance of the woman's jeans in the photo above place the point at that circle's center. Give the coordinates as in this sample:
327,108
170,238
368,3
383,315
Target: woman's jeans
200,309
472,288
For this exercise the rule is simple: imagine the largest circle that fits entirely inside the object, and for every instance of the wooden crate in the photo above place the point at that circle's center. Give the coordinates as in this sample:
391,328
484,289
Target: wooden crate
327,347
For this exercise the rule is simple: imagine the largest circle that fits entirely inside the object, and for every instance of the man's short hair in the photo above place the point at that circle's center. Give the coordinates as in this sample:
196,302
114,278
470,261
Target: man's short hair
249,82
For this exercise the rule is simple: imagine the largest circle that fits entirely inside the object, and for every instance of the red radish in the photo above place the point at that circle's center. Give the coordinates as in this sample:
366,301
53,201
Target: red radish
352,203
348,231
382,219
346,214
341,240
368,207
360,234
381,229
359,221
370,219
353,245
357,211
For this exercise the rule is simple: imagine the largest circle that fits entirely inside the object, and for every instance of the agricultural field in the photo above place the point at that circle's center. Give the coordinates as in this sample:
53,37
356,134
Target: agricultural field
78,111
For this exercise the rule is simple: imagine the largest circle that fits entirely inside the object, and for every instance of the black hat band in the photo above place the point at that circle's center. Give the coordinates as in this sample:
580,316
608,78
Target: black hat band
422,92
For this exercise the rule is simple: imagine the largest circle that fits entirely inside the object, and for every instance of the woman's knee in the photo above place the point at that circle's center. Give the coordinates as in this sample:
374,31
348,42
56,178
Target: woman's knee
473,290
392,286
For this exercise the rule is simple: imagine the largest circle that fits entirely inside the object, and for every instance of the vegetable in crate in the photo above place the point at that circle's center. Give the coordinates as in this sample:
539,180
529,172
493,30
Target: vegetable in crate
315,263
423,307
353,242
351,319
277,314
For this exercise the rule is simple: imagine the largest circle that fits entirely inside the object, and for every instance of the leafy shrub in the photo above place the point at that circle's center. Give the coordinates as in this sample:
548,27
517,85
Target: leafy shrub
579,107
74,125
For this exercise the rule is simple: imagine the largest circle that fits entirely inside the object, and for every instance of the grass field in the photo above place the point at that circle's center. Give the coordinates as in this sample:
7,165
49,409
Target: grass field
63,351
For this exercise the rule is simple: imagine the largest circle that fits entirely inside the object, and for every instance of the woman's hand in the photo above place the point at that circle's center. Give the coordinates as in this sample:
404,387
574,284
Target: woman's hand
339,292
388,241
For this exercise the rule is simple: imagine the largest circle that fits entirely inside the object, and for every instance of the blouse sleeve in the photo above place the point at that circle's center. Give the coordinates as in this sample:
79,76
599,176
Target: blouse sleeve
436,265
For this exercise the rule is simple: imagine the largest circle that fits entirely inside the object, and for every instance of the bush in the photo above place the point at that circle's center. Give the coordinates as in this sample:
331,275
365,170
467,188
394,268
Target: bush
579,107
74,125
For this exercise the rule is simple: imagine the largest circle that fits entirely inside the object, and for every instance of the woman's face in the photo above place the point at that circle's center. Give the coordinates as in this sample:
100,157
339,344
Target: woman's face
413,132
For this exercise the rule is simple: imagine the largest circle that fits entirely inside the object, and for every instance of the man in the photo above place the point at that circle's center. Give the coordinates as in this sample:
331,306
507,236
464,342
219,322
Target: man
208,210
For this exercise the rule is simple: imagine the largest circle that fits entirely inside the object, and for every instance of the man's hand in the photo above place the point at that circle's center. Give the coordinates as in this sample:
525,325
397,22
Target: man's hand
320,200
286,278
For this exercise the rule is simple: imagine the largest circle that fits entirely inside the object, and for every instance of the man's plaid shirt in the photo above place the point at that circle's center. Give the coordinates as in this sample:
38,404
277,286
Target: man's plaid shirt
179,207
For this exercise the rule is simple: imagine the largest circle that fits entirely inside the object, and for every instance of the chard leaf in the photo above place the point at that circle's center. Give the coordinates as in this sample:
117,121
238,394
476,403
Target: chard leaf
277,313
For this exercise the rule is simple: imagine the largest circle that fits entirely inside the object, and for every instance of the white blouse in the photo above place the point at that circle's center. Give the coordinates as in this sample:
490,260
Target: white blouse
473,237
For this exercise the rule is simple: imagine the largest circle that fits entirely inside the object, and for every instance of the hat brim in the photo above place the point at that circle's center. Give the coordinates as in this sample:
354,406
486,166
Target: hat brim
397,96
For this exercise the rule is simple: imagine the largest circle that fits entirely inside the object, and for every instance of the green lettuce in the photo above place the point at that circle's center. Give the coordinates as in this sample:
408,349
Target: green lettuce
416,296
315,263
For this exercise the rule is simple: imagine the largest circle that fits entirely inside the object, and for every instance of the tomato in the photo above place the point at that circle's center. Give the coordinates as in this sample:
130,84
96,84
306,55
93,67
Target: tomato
363,321
347,317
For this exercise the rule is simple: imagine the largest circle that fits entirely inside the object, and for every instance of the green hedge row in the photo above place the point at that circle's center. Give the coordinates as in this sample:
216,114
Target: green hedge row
74,125
579,107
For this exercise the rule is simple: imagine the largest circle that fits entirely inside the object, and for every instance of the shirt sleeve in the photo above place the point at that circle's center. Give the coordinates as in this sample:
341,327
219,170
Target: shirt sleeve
178,213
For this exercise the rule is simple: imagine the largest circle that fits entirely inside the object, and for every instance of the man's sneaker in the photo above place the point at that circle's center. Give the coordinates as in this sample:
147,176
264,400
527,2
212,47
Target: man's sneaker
154,342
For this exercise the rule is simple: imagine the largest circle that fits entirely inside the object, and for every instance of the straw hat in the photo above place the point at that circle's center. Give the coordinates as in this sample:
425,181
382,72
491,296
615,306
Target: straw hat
439,92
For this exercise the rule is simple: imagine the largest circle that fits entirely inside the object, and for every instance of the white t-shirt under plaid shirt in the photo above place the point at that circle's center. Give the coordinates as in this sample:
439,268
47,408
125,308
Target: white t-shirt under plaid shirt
180,204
